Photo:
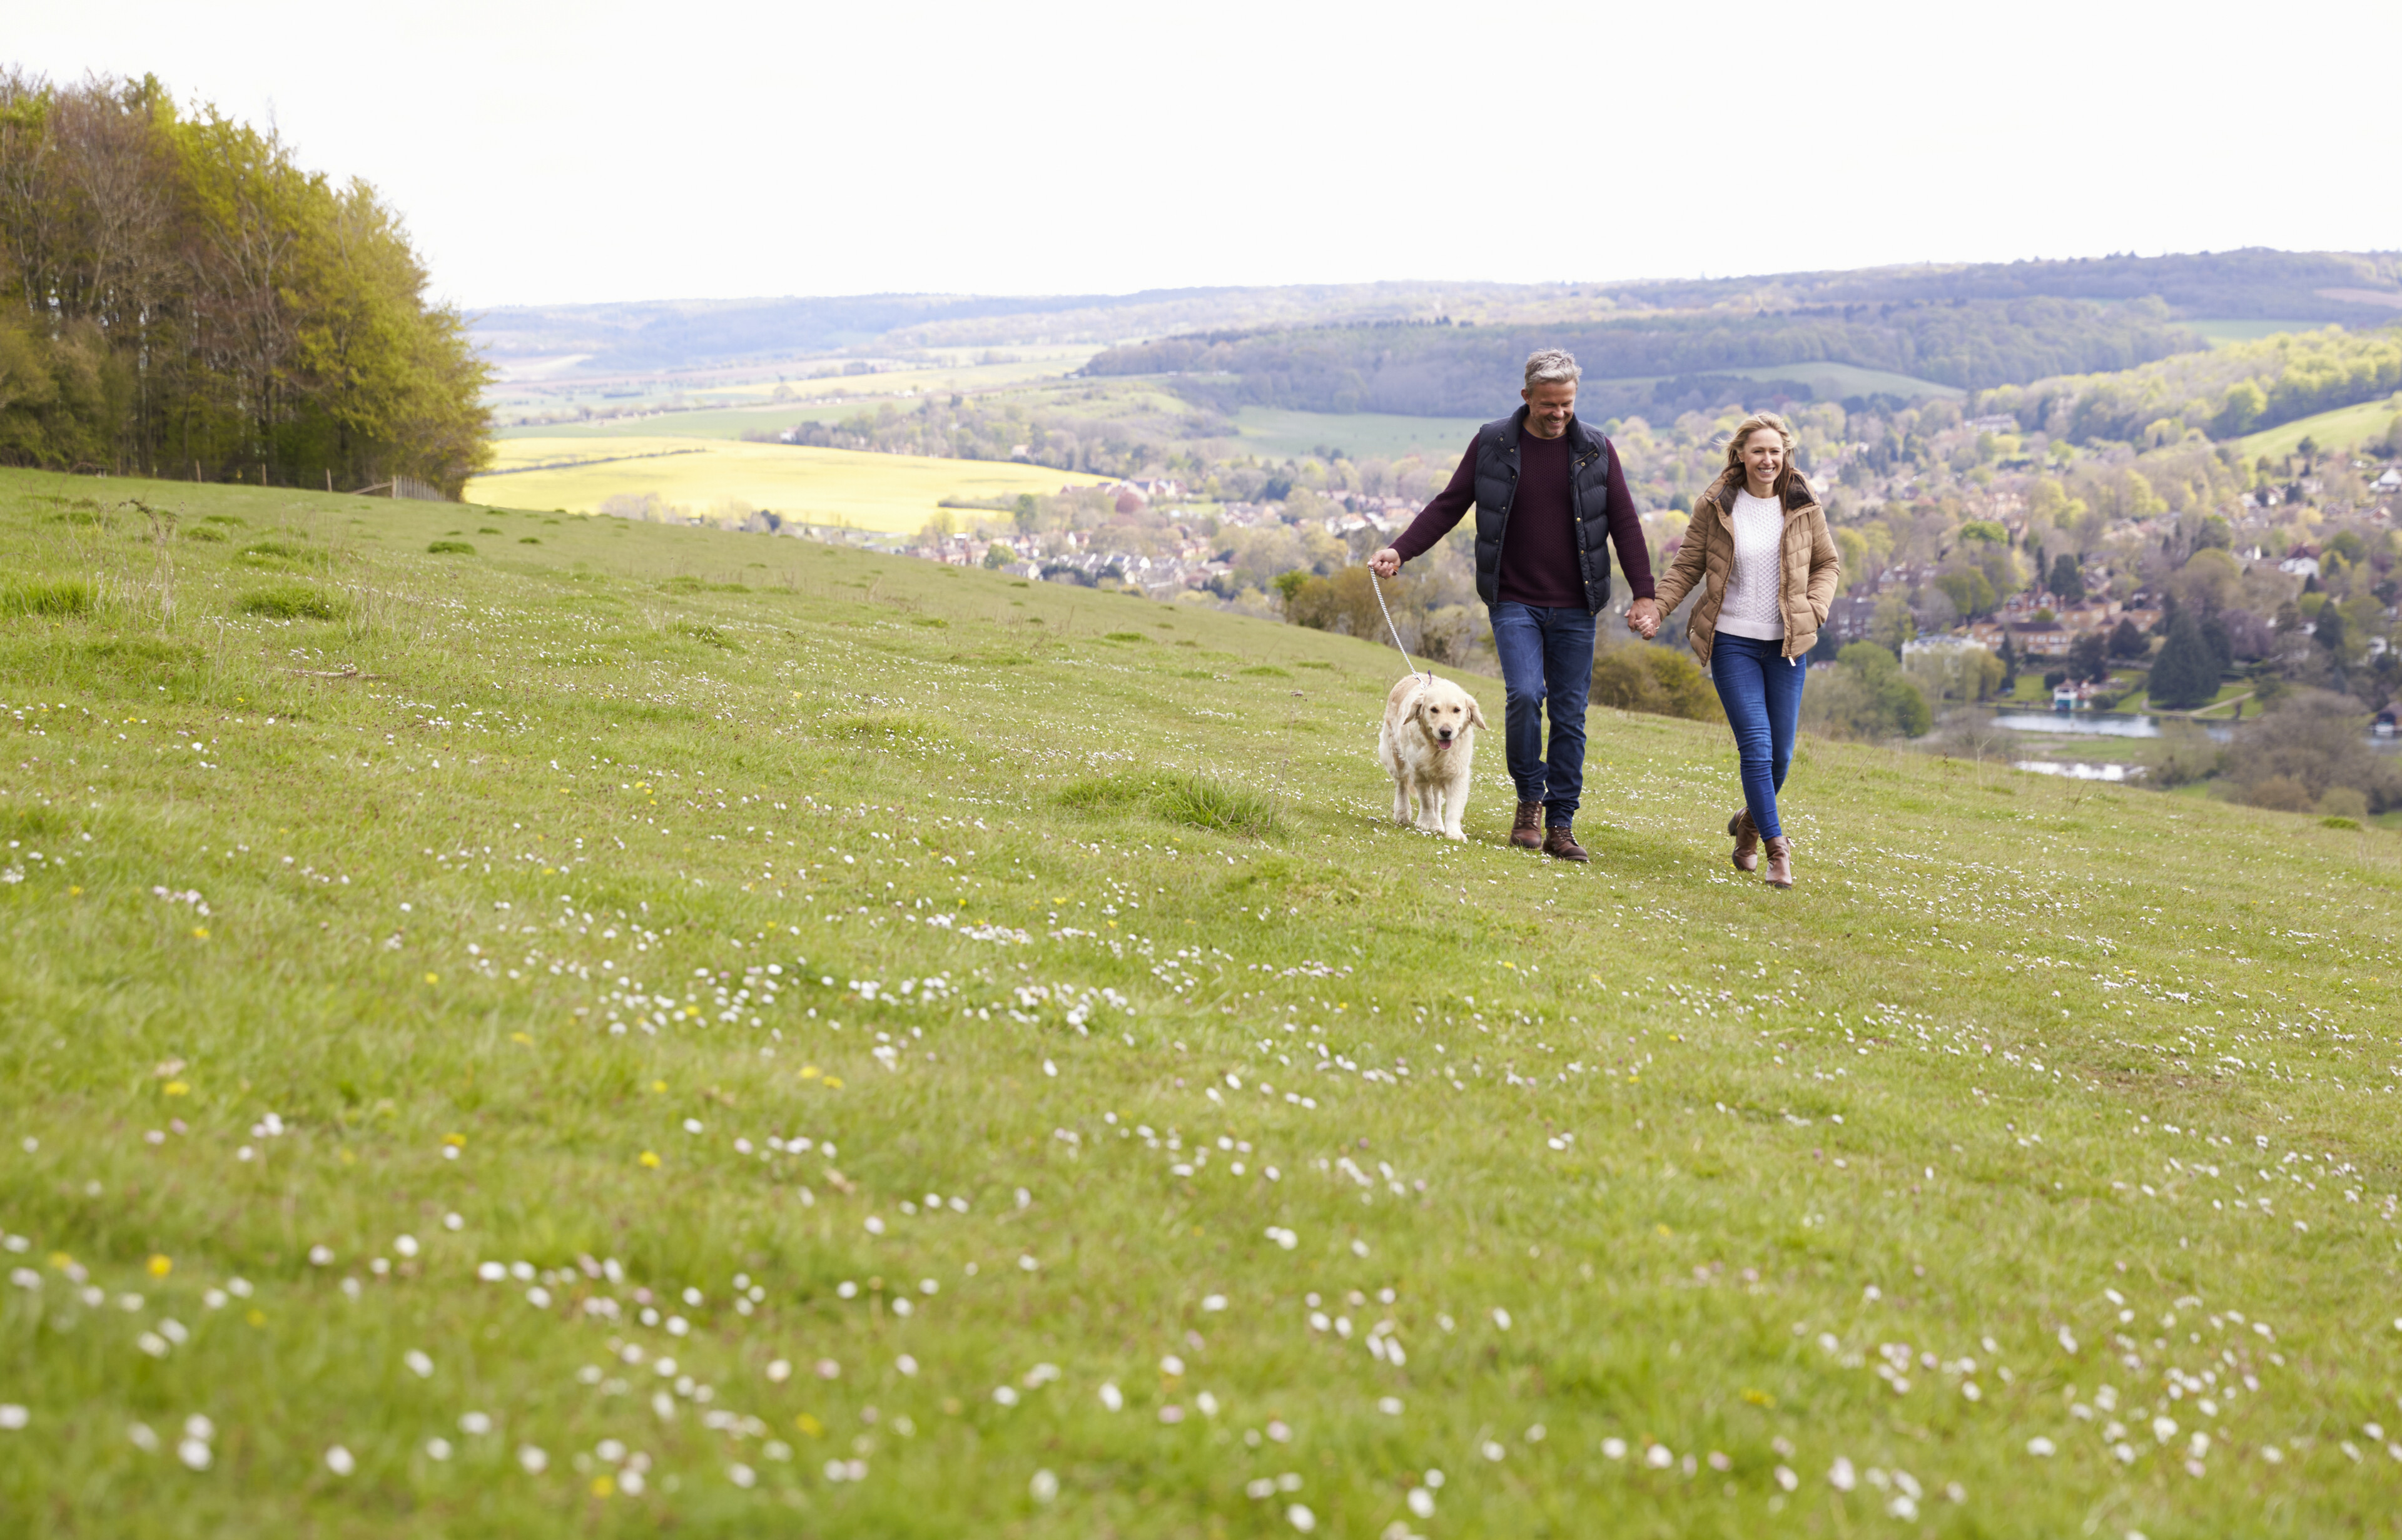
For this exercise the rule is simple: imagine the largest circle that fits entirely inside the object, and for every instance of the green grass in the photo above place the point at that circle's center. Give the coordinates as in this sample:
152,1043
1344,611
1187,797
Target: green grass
502,922
2334,430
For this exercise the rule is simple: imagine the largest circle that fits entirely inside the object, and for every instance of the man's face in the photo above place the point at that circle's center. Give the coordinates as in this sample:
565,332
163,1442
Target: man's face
1549,406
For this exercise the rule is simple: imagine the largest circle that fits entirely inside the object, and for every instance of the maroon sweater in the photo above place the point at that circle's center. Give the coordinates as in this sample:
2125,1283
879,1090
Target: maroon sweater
1538,554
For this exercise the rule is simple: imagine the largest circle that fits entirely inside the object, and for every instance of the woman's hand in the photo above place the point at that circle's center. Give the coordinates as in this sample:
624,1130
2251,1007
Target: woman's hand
1643,618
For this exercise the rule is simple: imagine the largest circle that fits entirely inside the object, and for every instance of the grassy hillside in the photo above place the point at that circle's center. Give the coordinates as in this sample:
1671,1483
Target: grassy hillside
2370,420
657,1029
864,490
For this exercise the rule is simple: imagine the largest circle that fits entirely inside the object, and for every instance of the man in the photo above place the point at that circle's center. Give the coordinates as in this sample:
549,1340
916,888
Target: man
1549,495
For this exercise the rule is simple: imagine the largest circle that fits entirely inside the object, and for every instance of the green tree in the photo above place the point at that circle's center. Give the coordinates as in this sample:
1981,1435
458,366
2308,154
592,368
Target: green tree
2186,673
2239,408
1970,593
1892,624
2067,580
1895,704
2088,658
2128,642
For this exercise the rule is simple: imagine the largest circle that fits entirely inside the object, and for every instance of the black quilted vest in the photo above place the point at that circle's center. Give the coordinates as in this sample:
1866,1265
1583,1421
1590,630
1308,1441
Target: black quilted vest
1497,487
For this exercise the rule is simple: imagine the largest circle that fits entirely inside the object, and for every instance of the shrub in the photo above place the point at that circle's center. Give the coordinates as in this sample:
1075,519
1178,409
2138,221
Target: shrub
707,636
450,548
1665,681
1123,636
291,601
54,597
1866,696
2281,794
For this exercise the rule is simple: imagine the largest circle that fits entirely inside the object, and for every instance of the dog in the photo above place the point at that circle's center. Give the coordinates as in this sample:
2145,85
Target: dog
1428,744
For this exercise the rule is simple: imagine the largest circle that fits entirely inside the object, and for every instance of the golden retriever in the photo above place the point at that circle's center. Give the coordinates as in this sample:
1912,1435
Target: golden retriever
1428,744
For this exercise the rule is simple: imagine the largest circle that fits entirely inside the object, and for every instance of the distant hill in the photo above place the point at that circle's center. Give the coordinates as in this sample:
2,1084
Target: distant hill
2256,282
654,335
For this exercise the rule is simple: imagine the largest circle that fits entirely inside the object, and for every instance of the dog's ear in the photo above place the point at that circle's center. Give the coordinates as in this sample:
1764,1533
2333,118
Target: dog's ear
1475,713
1417,712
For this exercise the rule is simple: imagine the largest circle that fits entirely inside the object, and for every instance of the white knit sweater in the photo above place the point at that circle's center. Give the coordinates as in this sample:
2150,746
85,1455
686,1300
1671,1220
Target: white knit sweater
1756,580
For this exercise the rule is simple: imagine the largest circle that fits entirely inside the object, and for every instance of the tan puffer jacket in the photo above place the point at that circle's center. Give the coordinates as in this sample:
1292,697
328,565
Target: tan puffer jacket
1811,568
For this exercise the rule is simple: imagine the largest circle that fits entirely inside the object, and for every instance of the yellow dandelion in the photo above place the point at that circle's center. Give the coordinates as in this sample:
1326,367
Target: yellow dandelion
650,1159
809,1072
257,1317
520,1038
177,1088
456,1141
834,1082
434,978
808,1424
200,932
161,1266
657,1086
602,1486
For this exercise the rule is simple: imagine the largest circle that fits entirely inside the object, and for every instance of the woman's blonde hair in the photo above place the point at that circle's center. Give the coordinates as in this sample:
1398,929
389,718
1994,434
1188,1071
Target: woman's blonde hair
1742,436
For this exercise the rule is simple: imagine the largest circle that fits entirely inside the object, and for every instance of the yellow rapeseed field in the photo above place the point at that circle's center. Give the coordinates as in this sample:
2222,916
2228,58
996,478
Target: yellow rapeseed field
866,491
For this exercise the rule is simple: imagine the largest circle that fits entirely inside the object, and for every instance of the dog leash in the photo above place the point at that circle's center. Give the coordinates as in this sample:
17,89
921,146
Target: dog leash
1395,631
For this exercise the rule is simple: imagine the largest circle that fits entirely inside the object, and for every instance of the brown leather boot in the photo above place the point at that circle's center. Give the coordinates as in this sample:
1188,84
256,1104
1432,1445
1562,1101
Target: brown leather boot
1560,844
1780,862
1527,833
1746,834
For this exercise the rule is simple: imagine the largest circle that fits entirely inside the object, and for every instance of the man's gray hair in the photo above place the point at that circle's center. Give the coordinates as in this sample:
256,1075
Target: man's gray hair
1552,366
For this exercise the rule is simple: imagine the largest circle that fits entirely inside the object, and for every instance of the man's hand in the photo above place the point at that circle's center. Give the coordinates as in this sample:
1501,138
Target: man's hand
1643,618
1385,563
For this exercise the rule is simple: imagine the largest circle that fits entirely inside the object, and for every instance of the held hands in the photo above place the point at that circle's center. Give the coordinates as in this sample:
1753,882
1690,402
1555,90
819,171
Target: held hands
1385,563
1643,618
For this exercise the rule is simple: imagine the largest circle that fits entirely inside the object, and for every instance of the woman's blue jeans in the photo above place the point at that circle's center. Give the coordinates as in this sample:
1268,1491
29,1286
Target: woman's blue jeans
1546,669
1761,692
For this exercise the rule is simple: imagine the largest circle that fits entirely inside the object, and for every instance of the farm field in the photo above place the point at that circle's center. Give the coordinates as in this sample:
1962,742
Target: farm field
732,400
624,1029
720,422
894,493
2333,429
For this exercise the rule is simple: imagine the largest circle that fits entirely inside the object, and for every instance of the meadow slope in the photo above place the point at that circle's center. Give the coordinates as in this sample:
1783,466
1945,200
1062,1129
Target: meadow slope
623,1028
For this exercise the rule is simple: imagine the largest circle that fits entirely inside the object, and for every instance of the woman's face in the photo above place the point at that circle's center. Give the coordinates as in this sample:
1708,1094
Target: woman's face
1764,456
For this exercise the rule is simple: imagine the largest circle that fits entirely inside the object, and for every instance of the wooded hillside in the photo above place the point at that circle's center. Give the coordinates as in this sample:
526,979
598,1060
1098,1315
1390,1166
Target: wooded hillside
1446,370
179,298
2226,392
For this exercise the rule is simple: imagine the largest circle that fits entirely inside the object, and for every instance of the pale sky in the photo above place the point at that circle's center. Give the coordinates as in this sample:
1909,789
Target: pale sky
599,151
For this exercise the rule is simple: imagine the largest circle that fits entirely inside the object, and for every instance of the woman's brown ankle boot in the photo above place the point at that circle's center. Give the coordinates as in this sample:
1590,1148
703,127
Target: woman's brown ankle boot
1780,862
1746,841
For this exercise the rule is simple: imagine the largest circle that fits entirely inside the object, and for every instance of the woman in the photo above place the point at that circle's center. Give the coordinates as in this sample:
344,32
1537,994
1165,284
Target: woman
1758,552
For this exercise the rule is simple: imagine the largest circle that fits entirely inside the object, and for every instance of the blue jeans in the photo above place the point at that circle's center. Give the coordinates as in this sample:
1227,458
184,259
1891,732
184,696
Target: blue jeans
1546,664
1761,692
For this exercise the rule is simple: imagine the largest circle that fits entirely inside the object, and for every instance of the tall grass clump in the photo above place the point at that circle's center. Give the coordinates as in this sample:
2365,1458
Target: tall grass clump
292,601
1206,802
1197,802
55,598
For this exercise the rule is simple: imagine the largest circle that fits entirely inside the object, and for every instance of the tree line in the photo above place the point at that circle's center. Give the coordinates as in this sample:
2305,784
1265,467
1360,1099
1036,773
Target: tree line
1464,371
178,297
